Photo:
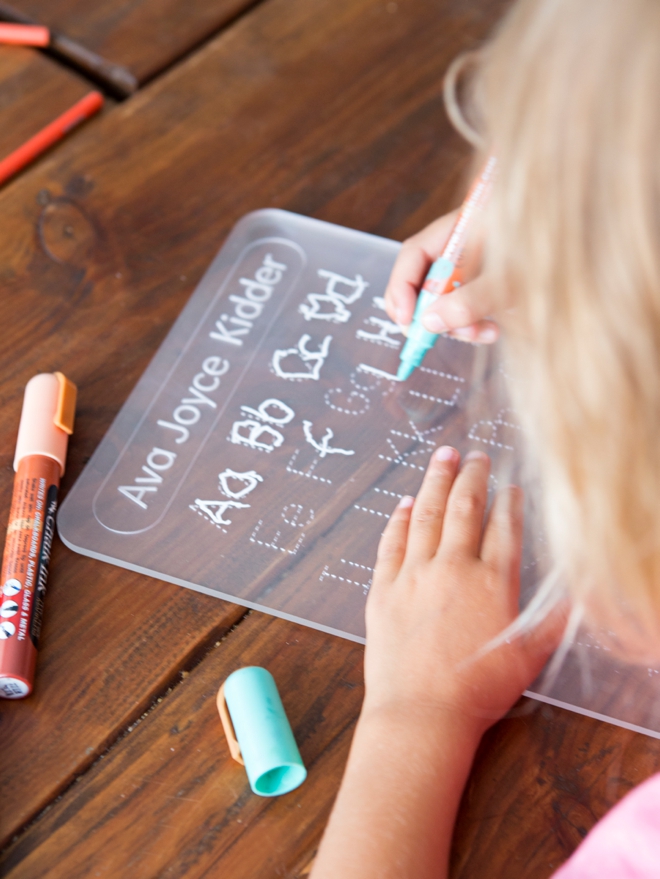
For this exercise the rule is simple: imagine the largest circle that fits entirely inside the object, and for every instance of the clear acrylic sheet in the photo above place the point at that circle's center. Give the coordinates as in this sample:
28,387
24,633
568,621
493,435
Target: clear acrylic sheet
262,451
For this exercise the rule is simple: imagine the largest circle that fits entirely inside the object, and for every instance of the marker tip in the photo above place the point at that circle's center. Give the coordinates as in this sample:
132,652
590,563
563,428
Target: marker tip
405,370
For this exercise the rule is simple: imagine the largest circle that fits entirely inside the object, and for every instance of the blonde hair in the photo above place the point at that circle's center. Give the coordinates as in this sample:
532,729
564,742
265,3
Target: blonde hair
566,95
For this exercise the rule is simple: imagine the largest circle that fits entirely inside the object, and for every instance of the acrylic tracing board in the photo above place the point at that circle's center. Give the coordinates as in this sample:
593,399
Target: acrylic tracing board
262,451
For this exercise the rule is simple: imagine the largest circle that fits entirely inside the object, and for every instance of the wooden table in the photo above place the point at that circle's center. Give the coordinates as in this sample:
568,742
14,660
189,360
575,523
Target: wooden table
116,766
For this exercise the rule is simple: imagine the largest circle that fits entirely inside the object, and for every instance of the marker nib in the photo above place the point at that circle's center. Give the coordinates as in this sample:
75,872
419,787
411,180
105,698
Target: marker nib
405,370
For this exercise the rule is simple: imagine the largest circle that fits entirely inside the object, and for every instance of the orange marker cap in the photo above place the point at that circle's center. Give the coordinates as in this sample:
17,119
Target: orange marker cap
47,418
24,34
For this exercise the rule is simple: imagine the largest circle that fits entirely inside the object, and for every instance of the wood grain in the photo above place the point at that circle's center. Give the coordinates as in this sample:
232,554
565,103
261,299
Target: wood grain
541,780
104,241
143,37
115,79
110,646
327,108
33,91
170,800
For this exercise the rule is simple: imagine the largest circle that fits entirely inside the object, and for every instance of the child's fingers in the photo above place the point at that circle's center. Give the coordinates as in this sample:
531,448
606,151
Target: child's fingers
429,510
406,279
465,307
416,255
484,332
461,532
501,548
392,546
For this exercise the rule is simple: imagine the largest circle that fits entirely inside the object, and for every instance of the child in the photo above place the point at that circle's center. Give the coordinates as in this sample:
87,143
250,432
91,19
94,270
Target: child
566,98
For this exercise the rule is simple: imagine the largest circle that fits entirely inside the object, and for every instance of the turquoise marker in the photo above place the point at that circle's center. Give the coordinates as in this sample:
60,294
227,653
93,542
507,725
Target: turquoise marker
444,275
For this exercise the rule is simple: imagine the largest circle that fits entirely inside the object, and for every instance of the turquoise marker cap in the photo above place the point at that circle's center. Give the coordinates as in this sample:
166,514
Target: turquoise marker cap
259,733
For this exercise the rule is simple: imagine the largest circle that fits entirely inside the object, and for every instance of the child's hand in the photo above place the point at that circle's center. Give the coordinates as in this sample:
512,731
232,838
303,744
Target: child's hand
461,313
443,588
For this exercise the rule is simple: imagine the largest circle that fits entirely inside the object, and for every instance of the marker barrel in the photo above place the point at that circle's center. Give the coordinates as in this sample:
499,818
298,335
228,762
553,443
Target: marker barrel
24,34
25,570
49,135
419,340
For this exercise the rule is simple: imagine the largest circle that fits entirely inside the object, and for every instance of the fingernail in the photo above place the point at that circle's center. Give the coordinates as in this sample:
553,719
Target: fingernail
488,335
465,334
445,453
434,323
406,502
476,455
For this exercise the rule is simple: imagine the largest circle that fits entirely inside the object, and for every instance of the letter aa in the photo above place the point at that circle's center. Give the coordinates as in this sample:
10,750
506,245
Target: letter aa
250,480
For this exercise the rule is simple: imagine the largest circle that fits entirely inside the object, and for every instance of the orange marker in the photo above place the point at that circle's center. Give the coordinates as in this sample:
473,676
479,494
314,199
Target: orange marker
49,135
24,34
43,434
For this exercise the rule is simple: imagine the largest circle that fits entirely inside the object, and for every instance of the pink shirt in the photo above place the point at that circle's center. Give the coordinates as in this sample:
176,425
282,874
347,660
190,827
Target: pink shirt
625,844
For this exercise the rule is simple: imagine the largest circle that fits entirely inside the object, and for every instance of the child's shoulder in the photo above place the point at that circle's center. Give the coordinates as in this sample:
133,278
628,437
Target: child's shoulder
625,843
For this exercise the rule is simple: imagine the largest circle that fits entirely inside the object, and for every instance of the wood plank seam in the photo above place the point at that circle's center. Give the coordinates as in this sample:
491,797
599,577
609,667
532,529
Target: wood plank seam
320,694
113,78
200,44
195,658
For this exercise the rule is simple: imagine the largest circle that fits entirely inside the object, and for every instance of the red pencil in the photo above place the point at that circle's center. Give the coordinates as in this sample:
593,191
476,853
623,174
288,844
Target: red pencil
49,135
24,34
